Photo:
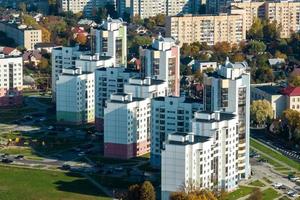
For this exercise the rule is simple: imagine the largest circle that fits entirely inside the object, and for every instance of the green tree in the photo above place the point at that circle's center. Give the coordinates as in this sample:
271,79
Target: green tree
294,80
292,119
147,191
261,111
256,195
256,30
271,31
22,6
255,47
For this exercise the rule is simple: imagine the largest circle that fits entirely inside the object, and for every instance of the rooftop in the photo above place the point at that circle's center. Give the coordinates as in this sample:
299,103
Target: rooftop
223,117
270,89
187,141
291,91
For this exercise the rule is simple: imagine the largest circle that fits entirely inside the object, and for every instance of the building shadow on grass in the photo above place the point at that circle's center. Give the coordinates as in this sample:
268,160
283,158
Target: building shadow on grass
80,185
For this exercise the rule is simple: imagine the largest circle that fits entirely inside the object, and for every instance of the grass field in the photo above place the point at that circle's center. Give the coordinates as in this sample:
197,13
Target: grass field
29,184
257,183
11,114
241,192
275,154
270,194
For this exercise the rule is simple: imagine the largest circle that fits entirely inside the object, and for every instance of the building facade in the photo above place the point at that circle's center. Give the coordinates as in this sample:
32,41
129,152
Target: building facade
11,80
161,61
126,129
228,90
109,80
75,97
204,158
209,29
63,57
127,122
169,114
24,36
110,39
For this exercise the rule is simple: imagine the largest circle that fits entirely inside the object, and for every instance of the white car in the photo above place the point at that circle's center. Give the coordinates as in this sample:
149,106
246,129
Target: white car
277,185
294,179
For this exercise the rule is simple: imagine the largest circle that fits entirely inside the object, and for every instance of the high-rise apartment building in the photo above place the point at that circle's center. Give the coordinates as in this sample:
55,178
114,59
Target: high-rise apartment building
150,8
63,57
204,158
286,15
109,80
169,114
161,61
23,35
75,97
110,39
209,29
85,6
126,126
228,90
127,122
11,80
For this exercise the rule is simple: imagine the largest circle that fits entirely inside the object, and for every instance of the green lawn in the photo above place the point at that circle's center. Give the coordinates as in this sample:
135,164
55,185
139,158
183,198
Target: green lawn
275,154
241,192
270,194
257,183
25,151
267,180
11,114
29,184
284,198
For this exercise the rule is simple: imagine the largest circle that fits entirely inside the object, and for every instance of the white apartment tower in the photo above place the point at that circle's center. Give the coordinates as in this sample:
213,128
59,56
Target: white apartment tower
204,158
109,80
11,80
161,61
110,39
228,90
63,57
75,97
127,122
169,114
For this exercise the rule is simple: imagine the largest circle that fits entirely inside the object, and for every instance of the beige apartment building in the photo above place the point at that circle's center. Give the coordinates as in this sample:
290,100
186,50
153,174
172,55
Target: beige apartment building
211,29
251,10
286,14
24,36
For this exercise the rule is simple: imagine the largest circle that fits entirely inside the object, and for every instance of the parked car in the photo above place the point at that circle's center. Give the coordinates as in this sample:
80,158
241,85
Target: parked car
6,160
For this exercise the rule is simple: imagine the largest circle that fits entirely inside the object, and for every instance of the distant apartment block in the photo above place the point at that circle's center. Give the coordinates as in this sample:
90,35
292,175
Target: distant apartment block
206,157
23,36
85,6
11,80
169,114
110,39
150,8
285,13
109,80
161,61
75,97
209,29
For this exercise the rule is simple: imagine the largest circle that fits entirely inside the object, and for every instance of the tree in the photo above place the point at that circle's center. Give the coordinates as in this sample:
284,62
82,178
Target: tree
255,195
22,6
198,76
292,119
222,47
294,80
255,47
193,195
278,54
133,192
147,191
256,30
238,57
81,39
271,31
261,111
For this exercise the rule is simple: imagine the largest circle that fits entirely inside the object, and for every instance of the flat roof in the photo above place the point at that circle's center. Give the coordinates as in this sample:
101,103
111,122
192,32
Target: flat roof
197,139
223,116
270,89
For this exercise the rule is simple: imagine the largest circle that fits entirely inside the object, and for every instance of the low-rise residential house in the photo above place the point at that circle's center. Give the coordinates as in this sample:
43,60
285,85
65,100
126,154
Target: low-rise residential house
34,57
